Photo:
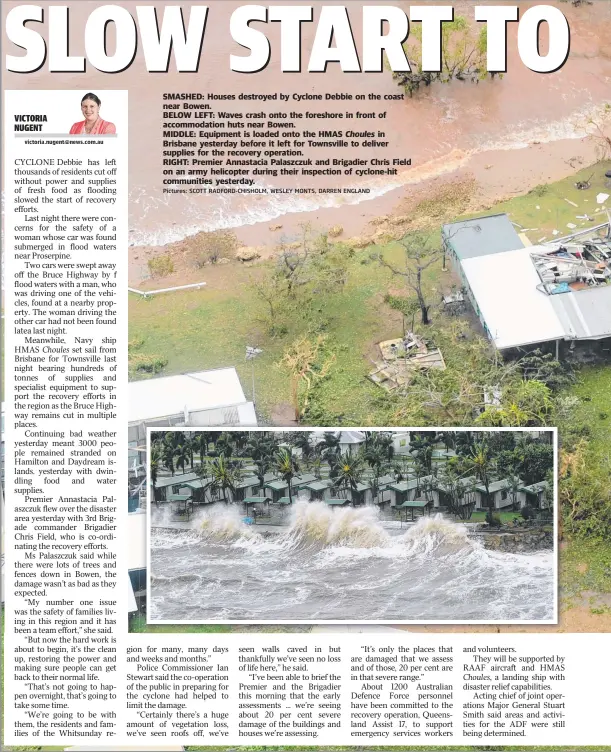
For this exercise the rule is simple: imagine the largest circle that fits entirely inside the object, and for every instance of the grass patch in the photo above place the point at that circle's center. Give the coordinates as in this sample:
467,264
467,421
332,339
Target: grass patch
585,566
138,624
554,212
594,389
506,517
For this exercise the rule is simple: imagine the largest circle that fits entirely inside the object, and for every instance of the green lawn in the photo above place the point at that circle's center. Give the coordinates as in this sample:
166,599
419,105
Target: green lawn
594,389
506,517
138,624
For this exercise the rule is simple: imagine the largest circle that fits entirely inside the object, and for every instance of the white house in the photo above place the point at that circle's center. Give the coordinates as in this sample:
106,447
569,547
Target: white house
536,495
526,296
499,495
202,399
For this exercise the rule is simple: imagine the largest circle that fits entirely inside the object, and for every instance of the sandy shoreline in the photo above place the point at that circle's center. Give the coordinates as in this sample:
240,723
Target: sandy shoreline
497,175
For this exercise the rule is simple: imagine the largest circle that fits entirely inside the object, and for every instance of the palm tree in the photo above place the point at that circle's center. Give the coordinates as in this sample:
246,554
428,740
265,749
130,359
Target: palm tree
155,462
181,455
302,441
455,487
200,444
223,476
422,451
167,455
189,444
262,466
224,445
329,446
349,469
261,445
513,486
386,444
287,467
483,465
375,457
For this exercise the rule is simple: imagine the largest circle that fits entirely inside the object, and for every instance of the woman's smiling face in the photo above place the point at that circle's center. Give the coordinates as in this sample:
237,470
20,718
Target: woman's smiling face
90,110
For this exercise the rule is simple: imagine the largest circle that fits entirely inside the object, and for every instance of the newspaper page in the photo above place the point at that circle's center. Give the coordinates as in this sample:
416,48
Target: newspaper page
306,414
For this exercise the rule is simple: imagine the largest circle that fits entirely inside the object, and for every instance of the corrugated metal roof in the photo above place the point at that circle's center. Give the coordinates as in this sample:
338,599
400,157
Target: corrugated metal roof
482,236
585,314
166,396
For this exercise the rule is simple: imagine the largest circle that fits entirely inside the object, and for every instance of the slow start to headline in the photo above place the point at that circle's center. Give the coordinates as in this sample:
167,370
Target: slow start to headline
182,37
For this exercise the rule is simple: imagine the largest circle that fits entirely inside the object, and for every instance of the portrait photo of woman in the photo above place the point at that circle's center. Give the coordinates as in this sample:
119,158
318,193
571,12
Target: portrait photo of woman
93,124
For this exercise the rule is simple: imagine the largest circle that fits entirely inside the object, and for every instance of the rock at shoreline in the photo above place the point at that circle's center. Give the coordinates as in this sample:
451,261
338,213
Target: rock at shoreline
359,242
248,253
523,541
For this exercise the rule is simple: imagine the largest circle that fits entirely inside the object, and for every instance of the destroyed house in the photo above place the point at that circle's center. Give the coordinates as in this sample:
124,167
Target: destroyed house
530,295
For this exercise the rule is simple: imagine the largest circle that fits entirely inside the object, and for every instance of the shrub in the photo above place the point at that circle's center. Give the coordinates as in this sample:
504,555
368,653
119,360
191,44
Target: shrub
527,512
492,519
210,247
141,363
161,266
539,190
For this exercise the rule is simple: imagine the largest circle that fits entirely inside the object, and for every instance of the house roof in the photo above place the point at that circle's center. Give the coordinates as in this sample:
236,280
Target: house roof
300,480
481,236
516,313
506,288
536,487
497,485
176,480
585,314
277,485
406,485
318,485
251,480
159,398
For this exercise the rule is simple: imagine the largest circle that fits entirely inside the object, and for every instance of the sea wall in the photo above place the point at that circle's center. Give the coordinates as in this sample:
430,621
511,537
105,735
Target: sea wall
519,541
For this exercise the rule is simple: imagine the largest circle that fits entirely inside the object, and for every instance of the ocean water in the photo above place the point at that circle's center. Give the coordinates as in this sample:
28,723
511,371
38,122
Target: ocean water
341,564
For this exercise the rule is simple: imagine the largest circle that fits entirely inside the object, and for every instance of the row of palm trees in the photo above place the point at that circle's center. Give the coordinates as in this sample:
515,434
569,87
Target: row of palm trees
221,459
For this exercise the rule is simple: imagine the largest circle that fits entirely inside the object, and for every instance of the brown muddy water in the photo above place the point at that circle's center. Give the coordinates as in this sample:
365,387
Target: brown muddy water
341,564
511,133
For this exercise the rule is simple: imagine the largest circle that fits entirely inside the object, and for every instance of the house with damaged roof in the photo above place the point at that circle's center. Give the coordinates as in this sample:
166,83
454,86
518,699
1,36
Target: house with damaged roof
527,296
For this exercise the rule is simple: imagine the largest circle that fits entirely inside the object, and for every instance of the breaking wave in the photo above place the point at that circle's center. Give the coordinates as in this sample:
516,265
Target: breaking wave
343,564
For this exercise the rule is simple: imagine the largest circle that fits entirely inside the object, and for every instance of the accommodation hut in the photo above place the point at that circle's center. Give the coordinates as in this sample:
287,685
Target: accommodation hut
249,486
317,490
412,489
536,495
469,497
171,484
277,489
498,496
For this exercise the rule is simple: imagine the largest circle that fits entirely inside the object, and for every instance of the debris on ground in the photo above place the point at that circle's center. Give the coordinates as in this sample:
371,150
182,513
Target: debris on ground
575,263
401,358
583,185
